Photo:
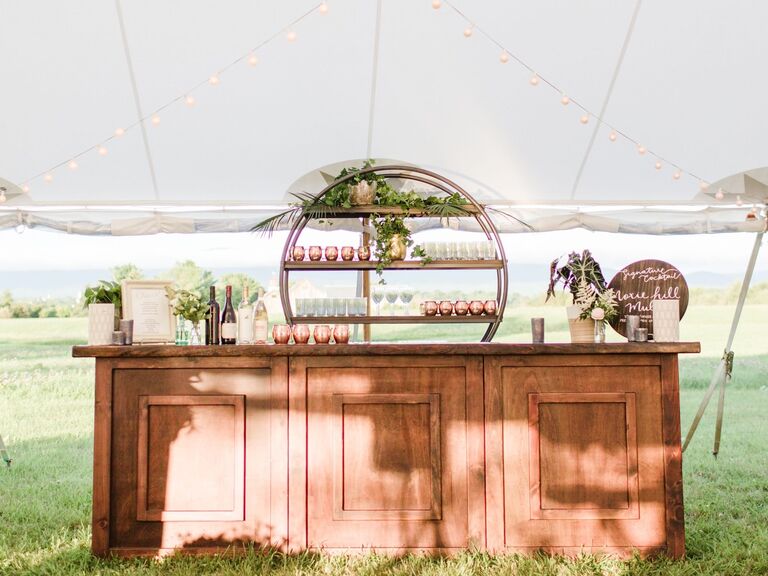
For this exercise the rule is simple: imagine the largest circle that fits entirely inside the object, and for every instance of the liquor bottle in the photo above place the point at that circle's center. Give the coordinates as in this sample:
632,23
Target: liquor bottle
228,320
245,319
212,334
260,320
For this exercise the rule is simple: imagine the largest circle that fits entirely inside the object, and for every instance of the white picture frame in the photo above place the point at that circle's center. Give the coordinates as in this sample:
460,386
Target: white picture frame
146,303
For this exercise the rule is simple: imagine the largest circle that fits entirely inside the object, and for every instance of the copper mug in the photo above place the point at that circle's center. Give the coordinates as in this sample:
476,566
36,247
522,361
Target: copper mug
331,253
446,308
347,253
315,253
298,253
430,308
322,334
461,307
490,307
364,253
341,334
281,333
476,307
301,333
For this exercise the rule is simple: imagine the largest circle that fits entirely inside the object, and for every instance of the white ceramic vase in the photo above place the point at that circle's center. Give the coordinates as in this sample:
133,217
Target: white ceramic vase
101,324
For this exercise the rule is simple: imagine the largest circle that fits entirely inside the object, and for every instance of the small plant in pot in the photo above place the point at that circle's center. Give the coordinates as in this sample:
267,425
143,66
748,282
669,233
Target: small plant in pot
593,302
104,303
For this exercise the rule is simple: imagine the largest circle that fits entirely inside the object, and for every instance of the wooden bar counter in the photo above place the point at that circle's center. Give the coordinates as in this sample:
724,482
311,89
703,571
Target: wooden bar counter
566,448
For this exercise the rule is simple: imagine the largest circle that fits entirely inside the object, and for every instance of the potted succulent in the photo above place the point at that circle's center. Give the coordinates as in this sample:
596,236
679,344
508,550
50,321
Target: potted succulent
187,306
104,303
593,302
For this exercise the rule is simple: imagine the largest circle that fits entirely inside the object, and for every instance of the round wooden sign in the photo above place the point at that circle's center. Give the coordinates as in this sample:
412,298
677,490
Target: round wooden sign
639,283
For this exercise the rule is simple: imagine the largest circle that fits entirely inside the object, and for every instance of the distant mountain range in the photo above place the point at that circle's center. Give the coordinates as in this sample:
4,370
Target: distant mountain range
524,279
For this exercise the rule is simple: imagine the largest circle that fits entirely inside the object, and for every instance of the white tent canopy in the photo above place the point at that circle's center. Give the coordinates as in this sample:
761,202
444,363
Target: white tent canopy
381,78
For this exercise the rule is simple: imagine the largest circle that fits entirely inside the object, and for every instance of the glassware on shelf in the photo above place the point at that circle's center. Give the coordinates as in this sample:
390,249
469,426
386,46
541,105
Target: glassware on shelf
490,307
377,295
476,307
461,307
281,333
430,249
315,253
341,334
301,333
322,334
331,253
446,308
430,308
339,307
406,295
347,253
298,253
364,253
391,296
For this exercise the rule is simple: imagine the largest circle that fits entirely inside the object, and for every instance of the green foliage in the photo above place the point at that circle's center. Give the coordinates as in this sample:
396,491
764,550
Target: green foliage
419,252
190,277
105,292
387,227
237,281
577,268
187,304
127,272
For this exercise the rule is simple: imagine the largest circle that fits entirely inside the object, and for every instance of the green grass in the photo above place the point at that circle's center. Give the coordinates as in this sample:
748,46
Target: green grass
46,418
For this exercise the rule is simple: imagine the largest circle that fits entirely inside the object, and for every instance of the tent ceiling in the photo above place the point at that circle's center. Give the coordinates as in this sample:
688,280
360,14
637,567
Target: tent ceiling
688,88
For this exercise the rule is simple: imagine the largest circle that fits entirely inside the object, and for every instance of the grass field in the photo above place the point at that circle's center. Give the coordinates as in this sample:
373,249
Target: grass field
46,412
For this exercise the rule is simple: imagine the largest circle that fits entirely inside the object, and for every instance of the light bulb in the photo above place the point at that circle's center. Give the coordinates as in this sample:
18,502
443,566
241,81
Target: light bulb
534,81
565,100
48,177
436,4
20,228
640,149
719,194
155,120
703,185
73,165
253,60
584,119
25,188
2,195
103,151
504,58
467,31
291,36
119,132
612,136
739,201
190,101
658,165
323,8
214,80
676,175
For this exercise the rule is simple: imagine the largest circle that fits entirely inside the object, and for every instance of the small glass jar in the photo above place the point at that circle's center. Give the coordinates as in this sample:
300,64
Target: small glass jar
599,331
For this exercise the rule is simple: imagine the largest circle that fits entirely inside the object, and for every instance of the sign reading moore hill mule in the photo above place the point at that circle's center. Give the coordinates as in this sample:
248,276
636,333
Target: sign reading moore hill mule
642,282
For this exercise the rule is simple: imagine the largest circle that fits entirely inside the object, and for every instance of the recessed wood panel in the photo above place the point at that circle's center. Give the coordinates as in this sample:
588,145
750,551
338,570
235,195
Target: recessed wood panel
387,458
583,455
190,458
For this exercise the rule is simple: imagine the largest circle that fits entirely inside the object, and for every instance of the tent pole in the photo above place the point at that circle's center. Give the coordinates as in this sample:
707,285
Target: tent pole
722,374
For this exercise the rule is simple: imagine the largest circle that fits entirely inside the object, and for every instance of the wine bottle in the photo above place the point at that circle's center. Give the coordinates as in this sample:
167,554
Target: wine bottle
260,320
212,334
245,319
228,320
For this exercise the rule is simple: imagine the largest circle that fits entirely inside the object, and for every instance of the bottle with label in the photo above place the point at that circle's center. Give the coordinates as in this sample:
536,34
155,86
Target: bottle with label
260,320
212,336
228,320
245,319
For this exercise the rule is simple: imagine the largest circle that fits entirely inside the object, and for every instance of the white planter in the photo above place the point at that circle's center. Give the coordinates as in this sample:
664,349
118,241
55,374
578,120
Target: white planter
581,330
101,324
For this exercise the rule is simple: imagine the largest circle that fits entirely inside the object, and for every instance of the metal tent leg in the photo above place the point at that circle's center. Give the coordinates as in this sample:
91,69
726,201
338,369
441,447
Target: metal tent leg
722,374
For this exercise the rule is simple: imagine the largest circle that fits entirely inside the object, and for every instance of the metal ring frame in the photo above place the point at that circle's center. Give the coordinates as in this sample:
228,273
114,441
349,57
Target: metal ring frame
426,177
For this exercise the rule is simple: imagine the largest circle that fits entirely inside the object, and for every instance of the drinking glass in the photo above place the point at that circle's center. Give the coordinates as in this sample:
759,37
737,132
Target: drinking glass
339,307
362,306
430,248
440,251
391,296
490,250
406,295
301,307
377,296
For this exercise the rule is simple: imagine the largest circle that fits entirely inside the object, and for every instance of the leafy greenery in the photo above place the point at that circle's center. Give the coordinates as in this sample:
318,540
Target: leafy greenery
189,276
582,276
188,305
127,272
237,281
387,227
105,292
419,252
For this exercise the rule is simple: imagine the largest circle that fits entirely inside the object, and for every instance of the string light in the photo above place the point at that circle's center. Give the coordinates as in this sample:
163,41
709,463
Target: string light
436,4
73,165
641,149
703,186
565,100
676,175
504,58
739,201
103,151
48,177
2,195
612,136
291,36
719,194
155,120
190,101
467,31
25,188
214,80
253,60
658,165
120,132
323,9
534,81
584,119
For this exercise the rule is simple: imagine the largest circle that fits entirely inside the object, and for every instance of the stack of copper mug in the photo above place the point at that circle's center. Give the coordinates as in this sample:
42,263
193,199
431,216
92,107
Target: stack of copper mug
459,308
281,334
331,253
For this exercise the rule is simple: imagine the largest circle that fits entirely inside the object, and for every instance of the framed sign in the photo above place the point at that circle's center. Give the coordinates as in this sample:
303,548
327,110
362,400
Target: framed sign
146,303
642,282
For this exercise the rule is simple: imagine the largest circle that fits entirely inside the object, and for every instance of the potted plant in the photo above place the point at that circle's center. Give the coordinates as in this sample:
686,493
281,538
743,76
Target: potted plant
593,302
189,306
104,302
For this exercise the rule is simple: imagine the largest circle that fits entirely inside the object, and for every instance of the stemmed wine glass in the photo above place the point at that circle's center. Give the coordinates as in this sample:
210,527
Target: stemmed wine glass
406,295
391,296
377,296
